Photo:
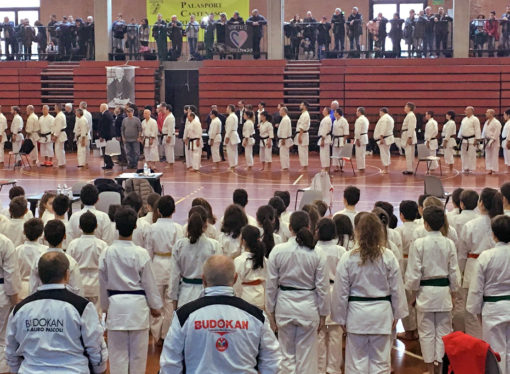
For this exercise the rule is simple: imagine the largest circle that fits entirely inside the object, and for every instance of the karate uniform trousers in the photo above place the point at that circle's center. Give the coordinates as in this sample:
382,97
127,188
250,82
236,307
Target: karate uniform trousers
5,309
409,151
284,154
47,149
60,153
196,155
468,156
506,154
384,150
432,152
266,154
2,150
215,152
448,155
248,151
160,325
16,145
336,150
34,154
187,155
492,156
360,156
303,155
232,155
169,149
82,152
325,155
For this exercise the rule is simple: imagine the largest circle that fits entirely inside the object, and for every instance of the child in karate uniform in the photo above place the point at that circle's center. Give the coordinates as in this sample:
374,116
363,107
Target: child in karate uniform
324,141
230,237
248,137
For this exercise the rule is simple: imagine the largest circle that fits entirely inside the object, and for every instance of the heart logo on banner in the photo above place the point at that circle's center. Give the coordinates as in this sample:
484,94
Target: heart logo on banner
238,38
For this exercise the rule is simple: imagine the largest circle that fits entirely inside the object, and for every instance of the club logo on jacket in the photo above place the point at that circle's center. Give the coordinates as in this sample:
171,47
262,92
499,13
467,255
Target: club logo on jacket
221,344
44,325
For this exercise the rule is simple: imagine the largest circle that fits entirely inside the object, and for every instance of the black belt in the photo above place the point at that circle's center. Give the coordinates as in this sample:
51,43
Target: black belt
363,134
361,298
387,136
1,280
263,140
285,288
331,281
467,138
64,129
304,132
192,280
503,139
402,130
288,137
46,134
132,292
494,299
328,134
436,282
191,143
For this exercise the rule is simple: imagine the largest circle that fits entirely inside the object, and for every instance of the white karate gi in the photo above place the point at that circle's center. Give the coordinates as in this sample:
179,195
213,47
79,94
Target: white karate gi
340,133
361,134
88,116
104,230
461,219
231,134
13,229
325,136
150,142
16,133
492,278
297,312
168,131
250,284
195,144
504,136
284,134
303,124
45,141
409,132
32,129
59,132
368,323
3,134
433,257
27,253
81,129
186,270
185,138
469,132
230,246
330,338
215,135
491,132
384,128
430,135
248,141
266,132
349,213
449,143
160,240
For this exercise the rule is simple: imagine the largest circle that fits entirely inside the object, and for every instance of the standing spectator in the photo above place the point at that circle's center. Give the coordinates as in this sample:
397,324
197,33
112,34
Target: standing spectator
119,117
175,33
295,33
236,20
323,38
64,37
159,33
396,35
310,31
338,25
81,36
72,33
442,29
355,30
18,34
479,34
90,37
220,35
70,120
41,38
505,30
9,38
409,27
209,26
428,39
28,37
144,32
381,34
106,133
132,38
491,27
52,29
131,131
257,22
192,35
119,29
419,33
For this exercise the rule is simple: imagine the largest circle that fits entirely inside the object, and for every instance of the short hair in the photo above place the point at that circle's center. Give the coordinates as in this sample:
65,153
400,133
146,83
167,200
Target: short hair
505,191
133,200
16,191
430,113
383,109
83,104
88,222
89,194
434,216
33,229
214,113
501,228
152,200
263,103
219,270
54,232
285,196
125,221
470,199
361,110
326,229
112,210
18,207
166,206
79,111
339,111
52,267
306,104
456,196
321,206
409,209
240,197
421,199
16,109
286,110
451,113
351,195
411,105
60,204
232,107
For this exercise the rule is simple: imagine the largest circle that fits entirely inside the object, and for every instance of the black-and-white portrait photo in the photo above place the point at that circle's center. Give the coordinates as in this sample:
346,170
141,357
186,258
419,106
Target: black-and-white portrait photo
121,85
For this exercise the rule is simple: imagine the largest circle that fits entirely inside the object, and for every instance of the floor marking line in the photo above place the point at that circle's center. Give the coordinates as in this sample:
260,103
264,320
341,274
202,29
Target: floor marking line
188,195
297,180
414,355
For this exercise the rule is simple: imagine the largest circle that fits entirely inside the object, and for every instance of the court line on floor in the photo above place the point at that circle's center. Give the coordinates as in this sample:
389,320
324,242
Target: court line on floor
297,180
411,354
188,195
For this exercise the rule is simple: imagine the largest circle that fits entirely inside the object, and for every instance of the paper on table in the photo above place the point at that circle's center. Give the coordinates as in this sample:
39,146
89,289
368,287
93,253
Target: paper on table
100,144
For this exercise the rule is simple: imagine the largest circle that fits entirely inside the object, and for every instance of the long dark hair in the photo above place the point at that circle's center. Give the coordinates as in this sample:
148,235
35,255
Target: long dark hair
265,217
313,214
197,219
300,223
234,220
344,227
200,201
251,235
279,206
492,201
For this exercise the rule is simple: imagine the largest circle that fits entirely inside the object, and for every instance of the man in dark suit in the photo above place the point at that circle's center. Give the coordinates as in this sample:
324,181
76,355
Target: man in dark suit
106,133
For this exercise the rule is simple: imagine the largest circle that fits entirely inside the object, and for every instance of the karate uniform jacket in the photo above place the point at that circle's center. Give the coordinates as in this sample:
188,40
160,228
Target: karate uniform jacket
9,271
231,124
324,131
55,331
284,132
491,132
409,129
303,123
406,231
46,128
361,130
59,127
448,134
150,131
266,132
340,132
27,254
195,132
505,133
461,219
3,127
124,266
470,127
431,133
215,131
252,293
168,129
384,127
13,229
81,129
32,128
230,246
104,229
432,257
233,335
17,128
249,132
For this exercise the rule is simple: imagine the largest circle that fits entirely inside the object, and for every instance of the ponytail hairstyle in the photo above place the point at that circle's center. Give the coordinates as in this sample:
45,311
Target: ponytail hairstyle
251,236
343,225
313,214
434,201
234,220
370,237
199,201
197,222
300,225
279,206
266,216
384,218
492,201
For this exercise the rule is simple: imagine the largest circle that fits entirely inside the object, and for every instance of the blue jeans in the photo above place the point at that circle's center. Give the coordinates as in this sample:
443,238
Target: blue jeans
132,153
192,46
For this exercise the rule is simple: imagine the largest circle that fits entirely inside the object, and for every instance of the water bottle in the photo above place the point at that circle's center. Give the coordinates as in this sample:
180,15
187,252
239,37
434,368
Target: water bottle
145,169
59,189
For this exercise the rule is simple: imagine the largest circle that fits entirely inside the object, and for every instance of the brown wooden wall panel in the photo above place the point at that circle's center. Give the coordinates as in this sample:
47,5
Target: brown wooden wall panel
235,86
219,78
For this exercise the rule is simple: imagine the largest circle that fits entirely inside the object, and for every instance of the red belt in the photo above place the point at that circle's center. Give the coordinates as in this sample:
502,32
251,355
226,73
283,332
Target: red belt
406,256
473,255
255,282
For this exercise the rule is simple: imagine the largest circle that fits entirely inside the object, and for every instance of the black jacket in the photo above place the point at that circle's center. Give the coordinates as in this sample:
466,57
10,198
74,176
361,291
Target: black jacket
338,22
356,28
106,125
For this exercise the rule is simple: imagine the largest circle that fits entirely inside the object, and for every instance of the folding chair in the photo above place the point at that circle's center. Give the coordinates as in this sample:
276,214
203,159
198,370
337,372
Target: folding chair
112,149
20,155
321,183
106,199
345,156
7,182
434,187
424,155
309,197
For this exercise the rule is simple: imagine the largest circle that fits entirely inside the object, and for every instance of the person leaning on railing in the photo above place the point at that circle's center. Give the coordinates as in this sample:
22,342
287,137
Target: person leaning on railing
209,25
192,30
175,33
159,33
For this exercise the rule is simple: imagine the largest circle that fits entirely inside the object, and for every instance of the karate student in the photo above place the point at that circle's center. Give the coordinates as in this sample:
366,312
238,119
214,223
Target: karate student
449,142
351,198
233,221
16,131
160,239
29,252
284,135
195,143
489,292
231,136
383,135
470,135
505,193
330,337
185,137
168,133
297,296
302,136
431,132
32,129
266,134
128,294
14,228
339,134
215,138
490,135
150,139
81,129
86,250
456,204
3,136
59,136
468,203
368,299
45,139
60,207
248,137
361,138
408,137
432,277
281,227
476,237
324,142
505,144
10,288
72,338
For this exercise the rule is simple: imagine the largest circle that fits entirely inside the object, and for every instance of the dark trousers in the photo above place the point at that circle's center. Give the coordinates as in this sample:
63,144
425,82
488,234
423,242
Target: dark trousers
176,49
340,44
354,41
441,43
428,44
256,46
397,50
108,163
132,150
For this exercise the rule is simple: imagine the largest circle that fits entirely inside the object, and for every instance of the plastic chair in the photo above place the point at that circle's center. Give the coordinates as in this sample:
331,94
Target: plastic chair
321,186
76,188
20,155
113,149
345,156
106,199
424,156
309,196
434,187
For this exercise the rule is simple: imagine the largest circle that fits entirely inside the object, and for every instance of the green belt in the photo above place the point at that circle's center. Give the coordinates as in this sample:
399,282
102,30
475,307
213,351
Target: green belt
436,282
192,280
493,299
361,298
285,288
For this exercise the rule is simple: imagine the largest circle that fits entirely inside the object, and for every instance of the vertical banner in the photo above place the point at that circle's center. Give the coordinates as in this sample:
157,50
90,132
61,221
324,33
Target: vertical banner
239,39
120,85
